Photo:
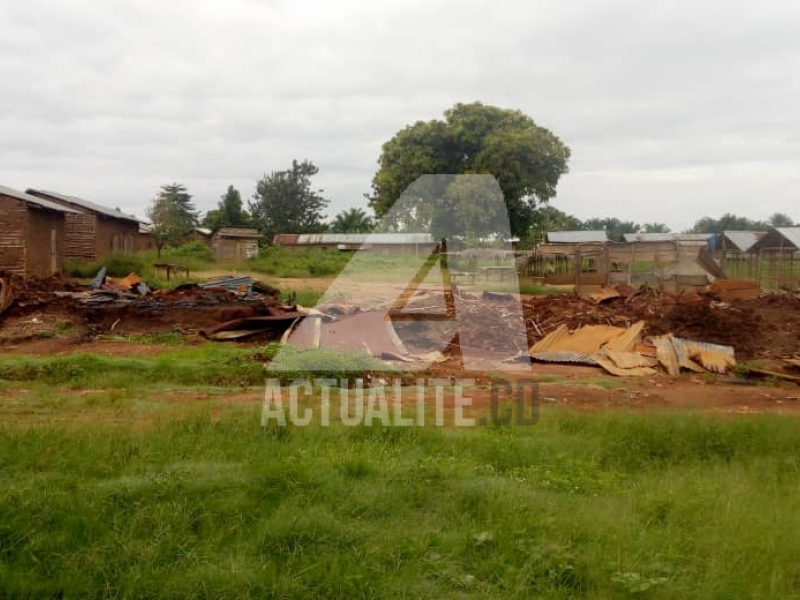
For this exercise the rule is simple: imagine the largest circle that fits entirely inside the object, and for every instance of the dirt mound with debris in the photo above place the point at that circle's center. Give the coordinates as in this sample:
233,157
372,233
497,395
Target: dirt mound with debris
767,327
42,306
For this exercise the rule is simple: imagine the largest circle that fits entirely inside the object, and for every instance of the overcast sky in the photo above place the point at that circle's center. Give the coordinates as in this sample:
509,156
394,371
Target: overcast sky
672,110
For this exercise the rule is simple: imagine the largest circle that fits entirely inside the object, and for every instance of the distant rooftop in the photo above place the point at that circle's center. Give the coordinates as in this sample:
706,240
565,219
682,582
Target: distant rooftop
577,237
744,240
780,237
668,237
103,210
311,239
7,191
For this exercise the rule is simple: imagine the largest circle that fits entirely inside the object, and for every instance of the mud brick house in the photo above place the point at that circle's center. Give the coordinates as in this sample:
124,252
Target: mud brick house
93,232
145,239
235,244
384,243
32,234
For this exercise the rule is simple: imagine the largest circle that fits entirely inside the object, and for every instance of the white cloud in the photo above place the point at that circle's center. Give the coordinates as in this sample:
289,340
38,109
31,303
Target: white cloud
672,111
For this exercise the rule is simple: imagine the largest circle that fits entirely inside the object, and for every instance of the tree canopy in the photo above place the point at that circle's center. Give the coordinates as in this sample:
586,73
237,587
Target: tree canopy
173,215
728,222
285,202
229,212
353,220
526,160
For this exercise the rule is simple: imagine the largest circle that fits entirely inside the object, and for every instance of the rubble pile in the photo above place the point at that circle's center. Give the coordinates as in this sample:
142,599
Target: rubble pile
128,305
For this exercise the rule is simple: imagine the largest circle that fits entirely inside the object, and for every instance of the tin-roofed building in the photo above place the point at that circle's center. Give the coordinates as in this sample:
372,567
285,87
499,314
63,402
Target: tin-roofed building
388,242
779,239
577,237
235,244
93,232
741,241
31,234
669,237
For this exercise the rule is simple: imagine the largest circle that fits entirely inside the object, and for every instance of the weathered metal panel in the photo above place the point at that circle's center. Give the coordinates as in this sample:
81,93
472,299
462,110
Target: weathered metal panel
577,237
79,203
743,240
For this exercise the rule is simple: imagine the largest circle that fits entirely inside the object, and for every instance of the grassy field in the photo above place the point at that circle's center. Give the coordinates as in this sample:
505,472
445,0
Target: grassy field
579,506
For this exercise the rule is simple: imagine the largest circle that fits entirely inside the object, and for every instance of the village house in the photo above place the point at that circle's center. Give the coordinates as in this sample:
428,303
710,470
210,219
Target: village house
383,242
235,244
32,234
145,239
93,232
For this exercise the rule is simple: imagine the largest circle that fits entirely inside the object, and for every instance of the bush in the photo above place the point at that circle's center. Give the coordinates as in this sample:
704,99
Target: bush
193,251
118,265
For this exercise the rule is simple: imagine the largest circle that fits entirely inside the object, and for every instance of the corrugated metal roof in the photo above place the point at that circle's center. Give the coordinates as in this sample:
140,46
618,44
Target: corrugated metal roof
7,191
576,237
744,240
145,228
245,232
203,230
103,210
790,233
353,239
668,237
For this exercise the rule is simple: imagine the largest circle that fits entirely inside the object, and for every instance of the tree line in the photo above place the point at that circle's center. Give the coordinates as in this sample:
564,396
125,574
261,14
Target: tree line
526,160
283,202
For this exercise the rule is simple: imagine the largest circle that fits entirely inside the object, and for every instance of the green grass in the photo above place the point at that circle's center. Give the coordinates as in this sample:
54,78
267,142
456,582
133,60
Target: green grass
195,255
209,364
613,506
280,262
304,297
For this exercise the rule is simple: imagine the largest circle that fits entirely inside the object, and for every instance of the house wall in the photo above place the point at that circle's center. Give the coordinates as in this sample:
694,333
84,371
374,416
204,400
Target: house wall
79,235
92,236
144,241
13,224
114,236
231,249
45,242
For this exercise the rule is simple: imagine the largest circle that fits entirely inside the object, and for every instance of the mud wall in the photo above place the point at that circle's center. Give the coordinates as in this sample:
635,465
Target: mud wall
13,221
114,236
45,242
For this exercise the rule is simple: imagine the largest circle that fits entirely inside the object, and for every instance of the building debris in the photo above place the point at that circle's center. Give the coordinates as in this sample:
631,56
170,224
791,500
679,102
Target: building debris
604,294
728,290
270,327
615,369
629,360
627,341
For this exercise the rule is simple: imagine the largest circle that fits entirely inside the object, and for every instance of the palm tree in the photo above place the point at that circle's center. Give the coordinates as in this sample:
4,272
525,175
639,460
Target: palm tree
353,220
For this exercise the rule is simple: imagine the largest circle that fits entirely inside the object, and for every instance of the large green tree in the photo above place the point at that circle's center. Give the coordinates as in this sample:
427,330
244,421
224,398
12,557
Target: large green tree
780,220
548,218
728,222
352,220
173,215
285,202
527,160
615,228
229,212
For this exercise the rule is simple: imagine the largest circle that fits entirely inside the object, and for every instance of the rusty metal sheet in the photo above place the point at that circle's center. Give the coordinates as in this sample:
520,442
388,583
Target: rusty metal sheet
665,352
566,357
551,338
628,340
629,360
609,366
735,289
368,332
251,326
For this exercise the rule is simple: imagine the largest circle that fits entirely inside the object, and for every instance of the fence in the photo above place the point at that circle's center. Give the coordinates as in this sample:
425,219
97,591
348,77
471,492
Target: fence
668,265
